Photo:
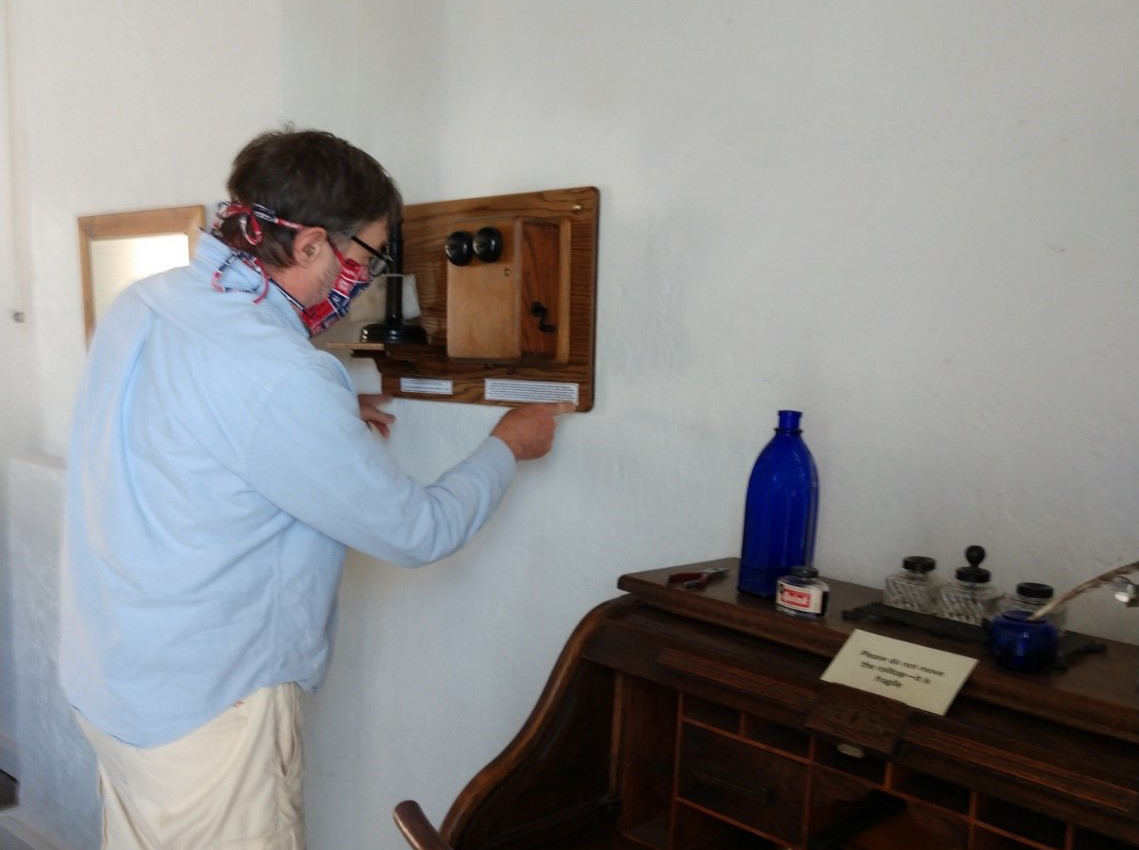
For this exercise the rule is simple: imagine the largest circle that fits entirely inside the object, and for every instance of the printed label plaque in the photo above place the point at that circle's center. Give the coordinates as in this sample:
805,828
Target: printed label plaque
920,677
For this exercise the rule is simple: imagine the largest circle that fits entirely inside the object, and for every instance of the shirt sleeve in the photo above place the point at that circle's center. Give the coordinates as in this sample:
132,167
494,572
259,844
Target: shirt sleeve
312,455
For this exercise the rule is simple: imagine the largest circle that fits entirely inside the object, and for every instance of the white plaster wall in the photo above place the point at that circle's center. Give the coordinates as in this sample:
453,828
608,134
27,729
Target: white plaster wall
19,409
115,105
124,105
913,221
58,798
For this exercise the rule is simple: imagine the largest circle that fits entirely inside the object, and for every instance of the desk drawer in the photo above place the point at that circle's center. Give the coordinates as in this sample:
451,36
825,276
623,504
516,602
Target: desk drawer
742,782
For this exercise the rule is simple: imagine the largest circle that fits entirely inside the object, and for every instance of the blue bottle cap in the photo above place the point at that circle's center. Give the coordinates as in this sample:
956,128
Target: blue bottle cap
789,419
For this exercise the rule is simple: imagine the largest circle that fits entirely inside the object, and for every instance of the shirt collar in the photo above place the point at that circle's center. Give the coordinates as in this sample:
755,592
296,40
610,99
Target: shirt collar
240,279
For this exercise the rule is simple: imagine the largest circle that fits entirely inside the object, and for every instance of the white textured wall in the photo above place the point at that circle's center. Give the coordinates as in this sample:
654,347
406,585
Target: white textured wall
58,799
115,105
149,113
914,221
19,408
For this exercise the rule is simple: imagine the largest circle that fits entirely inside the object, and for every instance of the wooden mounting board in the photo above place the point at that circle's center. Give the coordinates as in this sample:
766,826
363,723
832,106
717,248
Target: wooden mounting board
425,228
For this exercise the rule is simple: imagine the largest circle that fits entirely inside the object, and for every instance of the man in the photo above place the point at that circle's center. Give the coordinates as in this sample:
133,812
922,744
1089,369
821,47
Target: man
220,465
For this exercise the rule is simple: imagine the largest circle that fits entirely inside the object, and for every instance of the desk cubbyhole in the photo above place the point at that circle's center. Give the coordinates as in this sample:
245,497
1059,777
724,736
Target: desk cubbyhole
851,814
851,760
1086,840
646,718
842,806
651,834
912,827
930,789
743,783
710,713
986,839
777,737
1020,822
697,830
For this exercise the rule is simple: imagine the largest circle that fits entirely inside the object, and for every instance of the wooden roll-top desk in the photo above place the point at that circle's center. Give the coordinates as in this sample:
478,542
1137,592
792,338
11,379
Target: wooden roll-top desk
695,719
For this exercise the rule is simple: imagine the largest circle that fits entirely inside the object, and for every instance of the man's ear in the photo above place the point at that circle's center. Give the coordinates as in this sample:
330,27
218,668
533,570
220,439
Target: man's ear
307,245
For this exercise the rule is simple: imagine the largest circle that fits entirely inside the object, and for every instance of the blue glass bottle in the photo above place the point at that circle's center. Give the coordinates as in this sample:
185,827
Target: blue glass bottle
782,509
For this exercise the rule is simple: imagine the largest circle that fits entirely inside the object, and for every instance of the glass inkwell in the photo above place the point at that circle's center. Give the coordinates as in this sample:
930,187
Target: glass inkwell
802,594
914,587
970,597
1031,596
1018,642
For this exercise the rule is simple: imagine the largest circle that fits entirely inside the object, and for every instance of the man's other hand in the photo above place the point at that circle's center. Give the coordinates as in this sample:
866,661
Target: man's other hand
371,414
529,430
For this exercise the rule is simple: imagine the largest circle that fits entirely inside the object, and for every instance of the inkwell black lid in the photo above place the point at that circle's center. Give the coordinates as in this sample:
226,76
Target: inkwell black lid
1034,590
918,563
974,573
804,572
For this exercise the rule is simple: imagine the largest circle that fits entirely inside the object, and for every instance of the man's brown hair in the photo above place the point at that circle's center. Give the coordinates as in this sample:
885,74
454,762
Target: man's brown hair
312,178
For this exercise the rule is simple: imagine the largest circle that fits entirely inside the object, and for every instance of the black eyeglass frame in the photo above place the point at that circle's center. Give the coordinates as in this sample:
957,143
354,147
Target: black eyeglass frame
380,261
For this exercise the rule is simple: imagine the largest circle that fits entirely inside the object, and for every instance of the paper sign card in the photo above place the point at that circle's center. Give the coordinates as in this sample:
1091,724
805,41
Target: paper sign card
920,677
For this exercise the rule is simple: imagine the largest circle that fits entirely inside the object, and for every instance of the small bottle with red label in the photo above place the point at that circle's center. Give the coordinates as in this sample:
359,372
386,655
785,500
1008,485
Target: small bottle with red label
802,594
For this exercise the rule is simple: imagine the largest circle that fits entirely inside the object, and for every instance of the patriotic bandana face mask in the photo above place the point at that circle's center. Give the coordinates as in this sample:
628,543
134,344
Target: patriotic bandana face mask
353,279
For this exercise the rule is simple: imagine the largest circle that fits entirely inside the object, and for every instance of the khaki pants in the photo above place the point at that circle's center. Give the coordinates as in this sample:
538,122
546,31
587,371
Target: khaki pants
233,783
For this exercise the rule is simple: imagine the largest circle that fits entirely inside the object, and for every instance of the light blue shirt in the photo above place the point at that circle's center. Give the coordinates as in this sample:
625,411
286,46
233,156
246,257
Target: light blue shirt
218,470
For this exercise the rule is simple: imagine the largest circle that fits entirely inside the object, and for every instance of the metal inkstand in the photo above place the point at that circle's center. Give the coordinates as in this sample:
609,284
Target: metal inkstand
393,330
1071,644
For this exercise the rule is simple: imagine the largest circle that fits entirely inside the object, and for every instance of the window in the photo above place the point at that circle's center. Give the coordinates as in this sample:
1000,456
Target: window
119,248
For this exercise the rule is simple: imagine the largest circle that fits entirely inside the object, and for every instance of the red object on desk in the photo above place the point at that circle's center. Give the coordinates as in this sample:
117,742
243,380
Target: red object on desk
696,579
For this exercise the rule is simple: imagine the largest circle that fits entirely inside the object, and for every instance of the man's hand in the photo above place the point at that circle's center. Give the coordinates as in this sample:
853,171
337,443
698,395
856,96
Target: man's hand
529,430
371,414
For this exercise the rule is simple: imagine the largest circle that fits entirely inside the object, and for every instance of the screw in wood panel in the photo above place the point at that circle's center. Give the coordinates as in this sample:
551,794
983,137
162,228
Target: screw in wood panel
578,208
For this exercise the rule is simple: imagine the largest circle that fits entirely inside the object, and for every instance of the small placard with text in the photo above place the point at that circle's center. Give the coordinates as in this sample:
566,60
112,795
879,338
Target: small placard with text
917,675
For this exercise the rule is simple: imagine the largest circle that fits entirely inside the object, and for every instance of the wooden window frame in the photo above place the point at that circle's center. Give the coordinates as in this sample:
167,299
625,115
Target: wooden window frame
123,225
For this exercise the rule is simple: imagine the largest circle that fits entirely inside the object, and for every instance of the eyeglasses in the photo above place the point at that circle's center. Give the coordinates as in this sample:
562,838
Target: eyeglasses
379,262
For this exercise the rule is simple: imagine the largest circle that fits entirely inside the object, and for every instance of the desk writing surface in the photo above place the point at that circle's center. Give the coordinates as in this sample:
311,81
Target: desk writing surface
1099,691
